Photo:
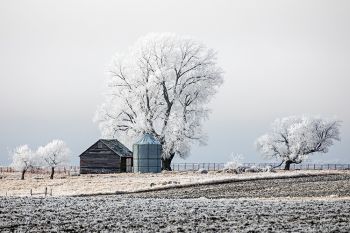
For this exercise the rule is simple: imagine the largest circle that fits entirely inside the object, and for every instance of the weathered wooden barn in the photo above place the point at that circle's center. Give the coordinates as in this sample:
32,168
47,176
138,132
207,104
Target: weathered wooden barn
106,156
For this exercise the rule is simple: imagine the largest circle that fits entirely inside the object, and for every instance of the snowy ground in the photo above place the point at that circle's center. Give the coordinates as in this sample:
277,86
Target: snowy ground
64,185
325,187
118,214
299,204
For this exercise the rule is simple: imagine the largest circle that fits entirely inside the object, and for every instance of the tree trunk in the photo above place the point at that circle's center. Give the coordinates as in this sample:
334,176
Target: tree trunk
52,172
23,172
166,162
287,166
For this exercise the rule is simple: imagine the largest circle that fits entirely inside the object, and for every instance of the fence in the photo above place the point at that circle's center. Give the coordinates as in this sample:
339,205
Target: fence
197,166
58,170
43,193
219,166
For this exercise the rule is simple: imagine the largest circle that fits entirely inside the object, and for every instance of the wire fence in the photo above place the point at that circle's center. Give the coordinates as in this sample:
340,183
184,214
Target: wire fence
39,170
220,166
197,166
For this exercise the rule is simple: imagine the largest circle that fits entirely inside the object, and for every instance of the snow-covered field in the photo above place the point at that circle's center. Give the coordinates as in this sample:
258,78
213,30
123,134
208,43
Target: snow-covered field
118,214
64,185
290,202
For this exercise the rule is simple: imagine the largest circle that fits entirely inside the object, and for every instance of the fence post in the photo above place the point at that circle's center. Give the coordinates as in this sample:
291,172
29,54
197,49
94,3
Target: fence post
185,166
192,166
31,192
328,166
335,166
45,191
214,166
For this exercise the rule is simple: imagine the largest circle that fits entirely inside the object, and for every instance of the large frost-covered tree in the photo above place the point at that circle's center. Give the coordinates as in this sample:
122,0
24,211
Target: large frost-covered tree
160,86
23,159
294,138
54,154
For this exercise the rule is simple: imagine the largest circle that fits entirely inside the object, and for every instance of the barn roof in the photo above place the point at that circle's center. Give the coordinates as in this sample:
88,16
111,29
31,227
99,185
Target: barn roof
114,145
117,147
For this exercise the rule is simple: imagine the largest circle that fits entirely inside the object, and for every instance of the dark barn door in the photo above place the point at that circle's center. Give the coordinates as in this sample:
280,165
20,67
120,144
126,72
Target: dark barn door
122,164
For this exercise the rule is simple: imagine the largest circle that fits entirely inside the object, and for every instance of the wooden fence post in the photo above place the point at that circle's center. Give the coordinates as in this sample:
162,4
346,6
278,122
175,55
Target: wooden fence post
45,191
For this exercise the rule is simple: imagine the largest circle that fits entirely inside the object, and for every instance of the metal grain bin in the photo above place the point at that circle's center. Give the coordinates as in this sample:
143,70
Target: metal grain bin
147,154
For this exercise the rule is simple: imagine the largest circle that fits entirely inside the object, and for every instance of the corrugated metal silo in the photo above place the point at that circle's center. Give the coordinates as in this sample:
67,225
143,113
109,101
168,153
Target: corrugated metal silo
147,154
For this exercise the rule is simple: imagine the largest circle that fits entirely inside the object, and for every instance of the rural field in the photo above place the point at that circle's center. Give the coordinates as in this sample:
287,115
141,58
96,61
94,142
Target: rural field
89,184
280,202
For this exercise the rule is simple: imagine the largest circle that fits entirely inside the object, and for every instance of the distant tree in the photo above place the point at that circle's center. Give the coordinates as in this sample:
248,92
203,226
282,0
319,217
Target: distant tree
294,138
23,159
54,154
161,86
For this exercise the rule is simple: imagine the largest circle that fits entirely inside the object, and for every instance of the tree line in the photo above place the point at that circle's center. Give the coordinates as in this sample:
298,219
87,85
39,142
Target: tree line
55,153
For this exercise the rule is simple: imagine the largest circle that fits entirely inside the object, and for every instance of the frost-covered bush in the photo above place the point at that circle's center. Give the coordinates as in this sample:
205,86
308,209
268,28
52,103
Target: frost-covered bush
202,171
235,165
268,169
259,169
253,169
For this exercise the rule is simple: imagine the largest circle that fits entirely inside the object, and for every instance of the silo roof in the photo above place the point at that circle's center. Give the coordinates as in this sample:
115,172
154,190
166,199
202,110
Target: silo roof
147,139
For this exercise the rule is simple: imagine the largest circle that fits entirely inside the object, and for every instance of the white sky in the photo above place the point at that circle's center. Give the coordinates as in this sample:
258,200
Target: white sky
280,58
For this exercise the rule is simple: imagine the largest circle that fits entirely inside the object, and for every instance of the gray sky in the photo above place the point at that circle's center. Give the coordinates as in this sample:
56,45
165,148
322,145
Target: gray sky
280,58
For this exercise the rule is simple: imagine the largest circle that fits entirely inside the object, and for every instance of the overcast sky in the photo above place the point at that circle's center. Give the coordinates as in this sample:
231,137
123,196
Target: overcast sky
280,58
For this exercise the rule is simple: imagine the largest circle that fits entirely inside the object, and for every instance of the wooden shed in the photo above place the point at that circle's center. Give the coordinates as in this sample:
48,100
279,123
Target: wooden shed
106,156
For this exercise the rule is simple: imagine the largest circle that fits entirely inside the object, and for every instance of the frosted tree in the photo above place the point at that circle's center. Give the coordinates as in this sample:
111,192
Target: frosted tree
54,154
23,159
162,86
293,139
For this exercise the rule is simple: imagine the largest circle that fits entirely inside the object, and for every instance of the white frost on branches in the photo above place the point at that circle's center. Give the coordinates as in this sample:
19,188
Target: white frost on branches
293,138
23,159
54,154
160,86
